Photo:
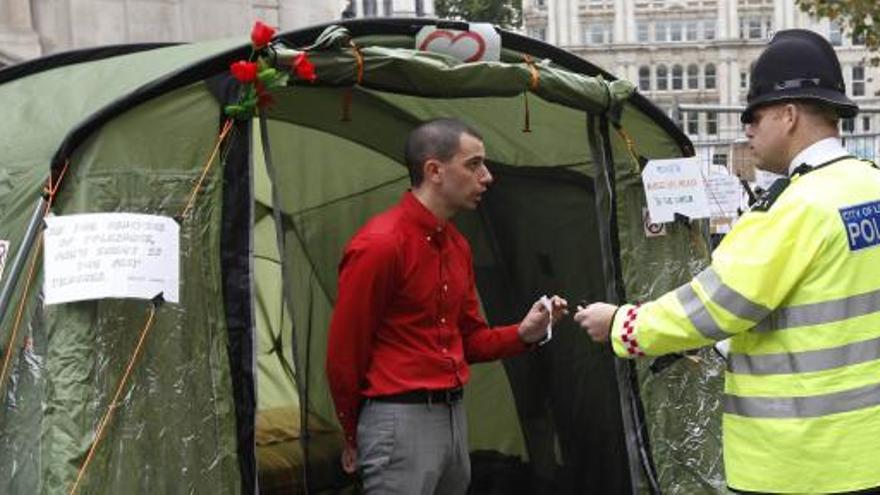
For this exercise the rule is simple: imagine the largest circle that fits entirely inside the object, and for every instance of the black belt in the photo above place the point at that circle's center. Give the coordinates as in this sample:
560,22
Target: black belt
444,396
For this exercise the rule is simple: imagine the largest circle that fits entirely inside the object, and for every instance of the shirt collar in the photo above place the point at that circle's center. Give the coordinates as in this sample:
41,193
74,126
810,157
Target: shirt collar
421,215
818,153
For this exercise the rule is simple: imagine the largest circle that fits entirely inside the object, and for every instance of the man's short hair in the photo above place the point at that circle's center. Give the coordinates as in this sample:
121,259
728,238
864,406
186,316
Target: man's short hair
825,112
439,139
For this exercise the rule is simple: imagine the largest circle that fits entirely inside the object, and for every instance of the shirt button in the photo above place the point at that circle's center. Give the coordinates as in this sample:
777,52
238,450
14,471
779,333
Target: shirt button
443,320
428,238
445,287
445,350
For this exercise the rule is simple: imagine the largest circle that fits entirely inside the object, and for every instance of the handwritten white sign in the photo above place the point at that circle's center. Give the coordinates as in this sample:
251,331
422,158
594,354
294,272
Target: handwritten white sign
103,255
478,44
725,195
4,253
675,186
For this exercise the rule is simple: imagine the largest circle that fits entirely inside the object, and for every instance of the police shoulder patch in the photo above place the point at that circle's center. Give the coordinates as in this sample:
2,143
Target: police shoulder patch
862,222
766,200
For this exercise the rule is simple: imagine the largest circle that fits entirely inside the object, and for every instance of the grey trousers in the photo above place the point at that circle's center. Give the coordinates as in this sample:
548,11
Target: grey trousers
413,449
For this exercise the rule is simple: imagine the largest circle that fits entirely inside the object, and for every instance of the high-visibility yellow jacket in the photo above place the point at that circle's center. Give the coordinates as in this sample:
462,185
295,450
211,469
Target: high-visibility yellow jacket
797,287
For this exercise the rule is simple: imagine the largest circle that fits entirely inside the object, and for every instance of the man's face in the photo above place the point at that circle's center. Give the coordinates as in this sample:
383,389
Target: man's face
464,177
767,133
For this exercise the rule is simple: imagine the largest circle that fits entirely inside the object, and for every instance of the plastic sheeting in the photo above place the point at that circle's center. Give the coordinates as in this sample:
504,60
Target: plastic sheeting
682,399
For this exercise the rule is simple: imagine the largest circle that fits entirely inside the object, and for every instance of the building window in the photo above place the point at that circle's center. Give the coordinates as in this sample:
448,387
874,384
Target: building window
866,124
540,3
691,30
693,77
677,77
420,8
709,77
369,8
662,78
537,32
675,33
755,28
642,32
858,80
596,34
848,125
711,123
388,8
645,78
835,36
661,31
709,29
719,159
743,80
693,123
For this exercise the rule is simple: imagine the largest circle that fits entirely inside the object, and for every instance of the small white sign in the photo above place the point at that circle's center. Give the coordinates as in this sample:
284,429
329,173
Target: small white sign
652,229
104,255
480,43
4,253
675,186
725,195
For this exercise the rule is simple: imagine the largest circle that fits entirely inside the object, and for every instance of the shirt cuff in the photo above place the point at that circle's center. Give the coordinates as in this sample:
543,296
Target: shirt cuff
624,335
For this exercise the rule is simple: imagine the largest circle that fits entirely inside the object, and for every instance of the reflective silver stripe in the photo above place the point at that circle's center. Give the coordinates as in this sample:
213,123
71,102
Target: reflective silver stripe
823,312
805,362
729,299
803,407
698,314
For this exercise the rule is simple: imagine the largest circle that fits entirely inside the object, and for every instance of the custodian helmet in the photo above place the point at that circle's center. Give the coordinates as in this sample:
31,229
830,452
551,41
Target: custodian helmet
798,64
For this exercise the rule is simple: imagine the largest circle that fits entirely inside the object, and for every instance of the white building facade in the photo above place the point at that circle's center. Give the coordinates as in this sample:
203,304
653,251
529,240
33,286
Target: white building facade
683,52
32,28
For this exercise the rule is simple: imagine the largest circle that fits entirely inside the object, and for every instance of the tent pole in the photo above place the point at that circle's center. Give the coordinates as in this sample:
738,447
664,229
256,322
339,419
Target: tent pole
21,256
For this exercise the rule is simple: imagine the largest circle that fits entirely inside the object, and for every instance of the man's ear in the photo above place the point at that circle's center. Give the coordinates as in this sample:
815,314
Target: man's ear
791,113
431,170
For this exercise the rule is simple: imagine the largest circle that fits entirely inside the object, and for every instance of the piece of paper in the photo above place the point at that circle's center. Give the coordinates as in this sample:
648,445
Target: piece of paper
480,43
111,255
725,195
675,186
548,305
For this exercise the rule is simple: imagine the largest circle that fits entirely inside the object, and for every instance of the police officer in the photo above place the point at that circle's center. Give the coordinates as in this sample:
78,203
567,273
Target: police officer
795,286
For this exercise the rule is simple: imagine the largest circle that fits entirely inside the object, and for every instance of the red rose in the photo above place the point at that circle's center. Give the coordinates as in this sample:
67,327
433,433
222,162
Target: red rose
304,68
245,72
261,35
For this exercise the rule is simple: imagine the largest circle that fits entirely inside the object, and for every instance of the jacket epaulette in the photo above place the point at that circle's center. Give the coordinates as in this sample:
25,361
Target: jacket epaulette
768,197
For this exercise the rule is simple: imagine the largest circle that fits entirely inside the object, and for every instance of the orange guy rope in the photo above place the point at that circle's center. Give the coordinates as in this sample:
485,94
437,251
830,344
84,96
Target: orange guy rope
51,189
227,126
111,408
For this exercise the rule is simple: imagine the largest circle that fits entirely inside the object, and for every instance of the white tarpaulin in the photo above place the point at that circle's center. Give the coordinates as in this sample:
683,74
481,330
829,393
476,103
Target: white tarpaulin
104,255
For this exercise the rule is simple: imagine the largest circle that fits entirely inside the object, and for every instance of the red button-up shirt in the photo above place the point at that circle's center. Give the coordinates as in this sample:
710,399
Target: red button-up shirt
406,315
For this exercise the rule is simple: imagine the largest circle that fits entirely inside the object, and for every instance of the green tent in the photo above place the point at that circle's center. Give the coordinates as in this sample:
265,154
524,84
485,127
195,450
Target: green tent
228,392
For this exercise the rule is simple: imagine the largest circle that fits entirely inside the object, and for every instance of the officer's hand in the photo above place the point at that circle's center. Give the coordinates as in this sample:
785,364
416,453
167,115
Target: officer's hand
349,459
596,320
533,327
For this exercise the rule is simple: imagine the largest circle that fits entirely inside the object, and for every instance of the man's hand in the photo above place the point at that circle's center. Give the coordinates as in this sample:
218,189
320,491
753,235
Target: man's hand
349,459
534,326
596,320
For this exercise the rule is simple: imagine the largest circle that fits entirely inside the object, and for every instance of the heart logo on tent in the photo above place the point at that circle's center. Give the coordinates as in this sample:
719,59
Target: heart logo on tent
467,45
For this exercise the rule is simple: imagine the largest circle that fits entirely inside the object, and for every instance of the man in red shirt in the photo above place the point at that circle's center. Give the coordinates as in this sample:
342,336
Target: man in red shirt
407,323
